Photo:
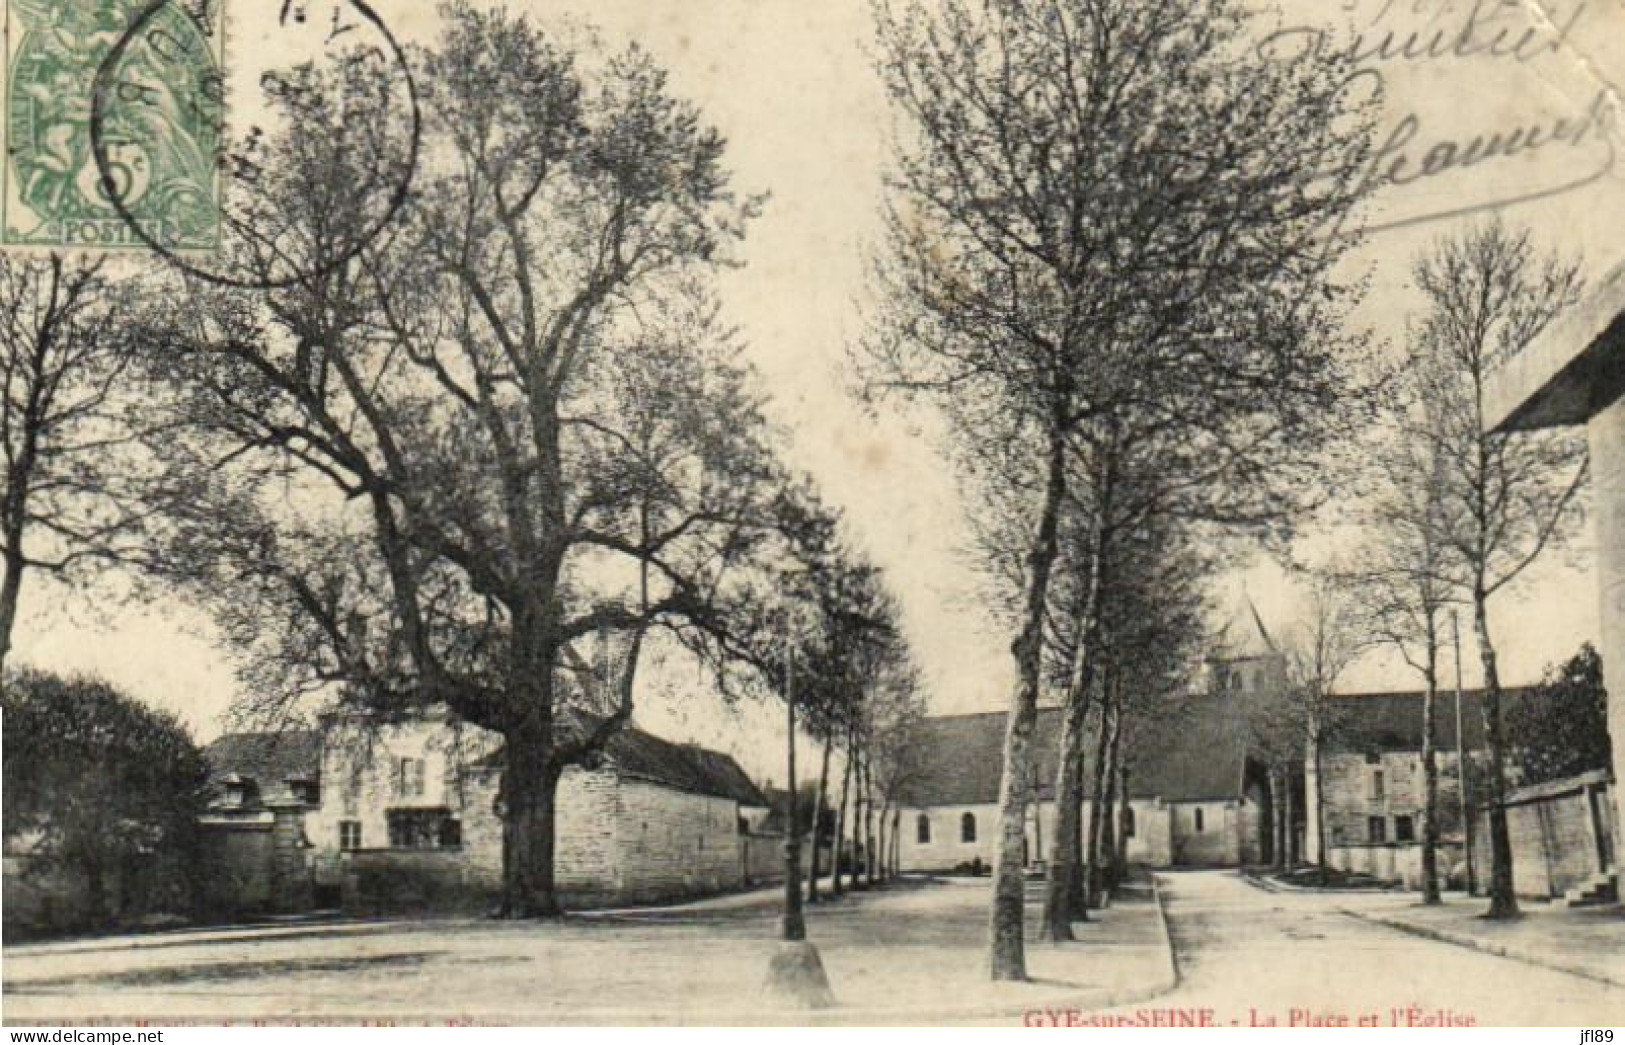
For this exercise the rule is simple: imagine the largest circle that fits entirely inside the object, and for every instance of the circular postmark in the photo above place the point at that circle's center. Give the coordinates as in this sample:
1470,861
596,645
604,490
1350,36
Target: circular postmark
158,145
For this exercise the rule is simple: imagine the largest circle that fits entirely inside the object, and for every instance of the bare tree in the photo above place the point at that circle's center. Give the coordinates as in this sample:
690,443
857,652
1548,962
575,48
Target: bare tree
1506,496
72,460
1099,207
1329,639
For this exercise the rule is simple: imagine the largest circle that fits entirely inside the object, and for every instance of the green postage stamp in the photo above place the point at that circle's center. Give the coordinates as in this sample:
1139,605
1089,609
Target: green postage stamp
82,170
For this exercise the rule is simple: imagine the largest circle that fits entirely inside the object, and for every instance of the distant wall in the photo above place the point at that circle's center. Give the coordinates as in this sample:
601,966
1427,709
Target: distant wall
1563,832
1152,841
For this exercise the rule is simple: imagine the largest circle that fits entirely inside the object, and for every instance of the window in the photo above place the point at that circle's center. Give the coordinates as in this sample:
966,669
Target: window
1376,829
1404,829
967,828
922,829
349,834
306,791
1128,821
1373,758
1198,820
423,829
1377,789
352,790
409,778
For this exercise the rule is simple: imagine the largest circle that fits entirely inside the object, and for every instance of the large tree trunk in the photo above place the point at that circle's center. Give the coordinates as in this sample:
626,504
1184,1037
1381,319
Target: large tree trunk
1430,782
1123,814
1108,813
1289,813
1503,901
1007,951
10,590
1061,883
1092,895
869,851
1063,892
860,854
530,783
881,838
818,821
13,519
1277,821
840,824
897,841
1320,801
1109,828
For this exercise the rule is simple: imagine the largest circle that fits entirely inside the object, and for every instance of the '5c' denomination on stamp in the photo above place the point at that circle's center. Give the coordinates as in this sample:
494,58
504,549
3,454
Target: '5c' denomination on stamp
160,123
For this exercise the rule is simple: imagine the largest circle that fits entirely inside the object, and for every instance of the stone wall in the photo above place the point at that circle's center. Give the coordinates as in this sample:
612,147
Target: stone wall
1563,832
1352,798
670,843
617,839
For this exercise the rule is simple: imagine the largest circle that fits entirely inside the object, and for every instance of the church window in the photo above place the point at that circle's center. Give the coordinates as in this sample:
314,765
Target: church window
967,827
922,829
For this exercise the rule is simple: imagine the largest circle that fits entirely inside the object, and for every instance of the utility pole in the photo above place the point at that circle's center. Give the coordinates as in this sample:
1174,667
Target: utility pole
1463,768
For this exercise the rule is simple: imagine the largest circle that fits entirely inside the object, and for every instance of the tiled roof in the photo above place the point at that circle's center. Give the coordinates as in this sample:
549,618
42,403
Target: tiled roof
683,767
268,760
960,757
1393,721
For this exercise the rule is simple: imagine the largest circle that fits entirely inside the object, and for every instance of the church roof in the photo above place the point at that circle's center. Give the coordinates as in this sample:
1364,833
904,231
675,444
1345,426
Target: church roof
1201,757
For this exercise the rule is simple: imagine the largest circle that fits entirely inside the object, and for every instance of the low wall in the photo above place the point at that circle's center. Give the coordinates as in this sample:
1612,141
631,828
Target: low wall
1398,861
414,880
1563,832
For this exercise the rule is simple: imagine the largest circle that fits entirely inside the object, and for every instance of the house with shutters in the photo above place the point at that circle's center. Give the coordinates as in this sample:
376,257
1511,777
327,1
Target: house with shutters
410,818
404,816
1372,783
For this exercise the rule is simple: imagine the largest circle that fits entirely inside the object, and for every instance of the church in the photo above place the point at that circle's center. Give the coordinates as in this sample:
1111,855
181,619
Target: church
1196,798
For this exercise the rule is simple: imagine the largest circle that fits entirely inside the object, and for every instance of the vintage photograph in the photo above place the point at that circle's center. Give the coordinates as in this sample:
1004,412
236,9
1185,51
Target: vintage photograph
1069,513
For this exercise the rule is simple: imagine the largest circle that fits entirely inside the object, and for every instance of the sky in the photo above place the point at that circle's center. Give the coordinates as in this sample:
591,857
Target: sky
791,85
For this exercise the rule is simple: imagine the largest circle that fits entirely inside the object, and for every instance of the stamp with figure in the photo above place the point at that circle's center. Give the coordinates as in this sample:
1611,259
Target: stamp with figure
79,172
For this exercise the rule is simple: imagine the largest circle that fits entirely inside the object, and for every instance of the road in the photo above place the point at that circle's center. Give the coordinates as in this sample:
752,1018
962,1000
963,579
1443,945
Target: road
1252,956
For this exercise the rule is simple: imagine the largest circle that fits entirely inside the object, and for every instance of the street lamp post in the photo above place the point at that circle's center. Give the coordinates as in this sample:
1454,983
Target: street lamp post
795,923
795,974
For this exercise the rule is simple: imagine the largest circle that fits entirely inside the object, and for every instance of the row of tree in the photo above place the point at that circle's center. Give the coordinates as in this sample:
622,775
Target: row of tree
1111,265
1115,267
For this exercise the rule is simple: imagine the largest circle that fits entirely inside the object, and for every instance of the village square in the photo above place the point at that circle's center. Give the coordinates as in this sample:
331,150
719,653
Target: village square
1065,513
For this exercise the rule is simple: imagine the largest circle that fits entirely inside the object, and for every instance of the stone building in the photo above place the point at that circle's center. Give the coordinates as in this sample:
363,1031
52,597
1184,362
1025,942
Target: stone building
1196,795
262,787
409,818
